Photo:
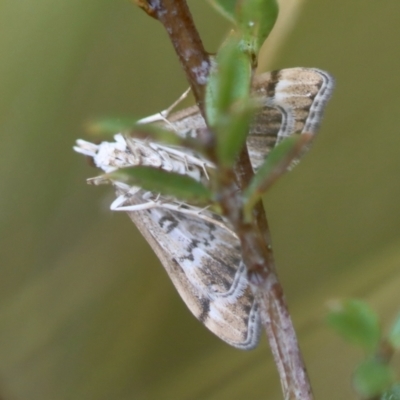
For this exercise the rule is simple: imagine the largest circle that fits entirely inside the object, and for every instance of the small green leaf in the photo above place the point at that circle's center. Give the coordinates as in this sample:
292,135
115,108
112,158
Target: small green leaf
159,134
229,81
110,125
149,131
277,162
394,334
156,133
393,393
225,7
228,105
181,187
255,19
356,322
372,378
231,137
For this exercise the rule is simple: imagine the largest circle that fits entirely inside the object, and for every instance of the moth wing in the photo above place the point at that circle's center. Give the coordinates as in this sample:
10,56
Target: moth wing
204,262
293,101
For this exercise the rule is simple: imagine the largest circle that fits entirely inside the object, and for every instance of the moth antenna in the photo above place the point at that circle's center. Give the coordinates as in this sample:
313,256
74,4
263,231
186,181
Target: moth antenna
182,97
205,171
163,115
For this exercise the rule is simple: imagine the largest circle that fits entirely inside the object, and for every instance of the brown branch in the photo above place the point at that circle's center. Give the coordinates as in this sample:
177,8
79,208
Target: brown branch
255,237
278,325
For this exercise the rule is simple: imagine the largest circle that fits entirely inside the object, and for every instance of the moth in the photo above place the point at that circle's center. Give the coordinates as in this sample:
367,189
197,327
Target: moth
199,251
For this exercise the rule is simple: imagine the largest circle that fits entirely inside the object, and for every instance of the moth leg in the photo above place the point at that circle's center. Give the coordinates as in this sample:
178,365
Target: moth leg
86,148
202,166
117,204
168,163
187,158
163,115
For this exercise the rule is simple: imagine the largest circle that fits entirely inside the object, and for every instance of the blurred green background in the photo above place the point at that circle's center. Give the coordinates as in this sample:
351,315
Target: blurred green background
86,310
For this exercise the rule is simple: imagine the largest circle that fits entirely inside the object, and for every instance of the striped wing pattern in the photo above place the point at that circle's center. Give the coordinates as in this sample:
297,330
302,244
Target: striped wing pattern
202,256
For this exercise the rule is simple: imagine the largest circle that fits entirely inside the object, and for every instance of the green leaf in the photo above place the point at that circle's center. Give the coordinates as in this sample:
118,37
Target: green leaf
225,7
356,322
372,378
229,81
255,19
393,393
159,134
181,187
231,137
277,162
228,105
110,125
394,334
149,131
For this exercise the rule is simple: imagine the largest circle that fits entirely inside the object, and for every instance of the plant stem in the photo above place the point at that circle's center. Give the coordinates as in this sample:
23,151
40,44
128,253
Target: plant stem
276,319
255,237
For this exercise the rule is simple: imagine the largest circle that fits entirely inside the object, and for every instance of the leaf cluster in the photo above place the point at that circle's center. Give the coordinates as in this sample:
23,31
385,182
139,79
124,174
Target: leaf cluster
357,323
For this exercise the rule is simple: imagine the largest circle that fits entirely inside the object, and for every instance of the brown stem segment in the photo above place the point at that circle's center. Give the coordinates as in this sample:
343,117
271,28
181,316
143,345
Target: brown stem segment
283,342
254,237
278,325
177,20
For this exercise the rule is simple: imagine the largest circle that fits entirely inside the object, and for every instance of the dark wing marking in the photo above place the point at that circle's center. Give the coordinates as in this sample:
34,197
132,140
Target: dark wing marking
204,262
293,101
203,258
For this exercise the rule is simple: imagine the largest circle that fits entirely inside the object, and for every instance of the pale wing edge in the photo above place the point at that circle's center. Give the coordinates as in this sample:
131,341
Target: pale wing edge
201,307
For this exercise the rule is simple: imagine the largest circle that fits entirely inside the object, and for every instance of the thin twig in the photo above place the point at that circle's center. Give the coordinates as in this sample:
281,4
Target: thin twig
273,307
255,237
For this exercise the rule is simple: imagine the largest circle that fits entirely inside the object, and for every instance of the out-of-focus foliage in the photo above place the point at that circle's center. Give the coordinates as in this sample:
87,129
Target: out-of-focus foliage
394,334
86,310
356,322
392,394
371,378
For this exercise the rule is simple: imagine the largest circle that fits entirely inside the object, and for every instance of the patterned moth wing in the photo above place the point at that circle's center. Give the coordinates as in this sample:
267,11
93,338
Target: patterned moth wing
199,252
196,247
292,102
203,260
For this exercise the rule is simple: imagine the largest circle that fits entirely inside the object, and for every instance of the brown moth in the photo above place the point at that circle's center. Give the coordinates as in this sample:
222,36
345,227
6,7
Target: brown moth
200,253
